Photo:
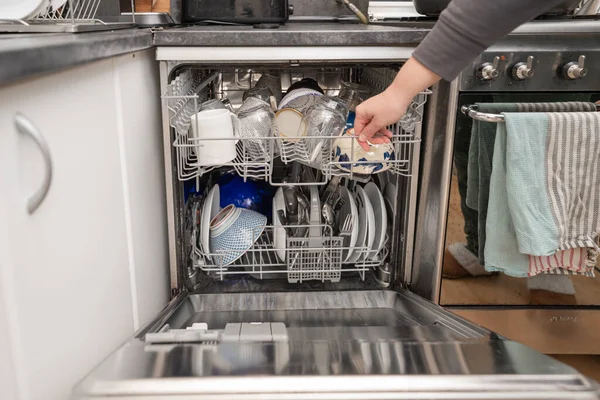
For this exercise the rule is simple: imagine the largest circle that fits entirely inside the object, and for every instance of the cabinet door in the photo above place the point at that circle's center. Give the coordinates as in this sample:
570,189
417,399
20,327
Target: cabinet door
71,294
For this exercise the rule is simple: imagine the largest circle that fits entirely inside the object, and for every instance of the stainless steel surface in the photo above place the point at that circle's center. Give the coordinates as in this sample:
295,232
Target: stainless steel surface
549,321
557,27
575,70
319,310
553,56
26,55
488,71
524,70
358,344
471,111
432,211
589,7
145,19
28,128
291,34
386,370
174,244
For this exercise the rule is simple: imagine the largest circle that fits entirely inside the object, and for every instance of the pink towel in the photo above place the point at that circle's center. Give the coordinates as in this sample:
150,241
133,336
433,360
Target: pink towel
579,261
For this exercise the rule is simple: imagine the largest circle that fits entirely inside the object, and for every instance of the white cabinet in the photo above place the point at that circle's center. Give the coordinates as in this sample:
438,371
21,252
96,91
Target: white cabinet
84,270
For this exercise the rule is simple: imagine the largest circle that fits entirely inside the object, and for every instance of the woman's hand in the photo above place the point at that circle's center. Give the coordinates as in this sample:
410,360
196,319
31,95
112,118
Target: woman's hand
375,115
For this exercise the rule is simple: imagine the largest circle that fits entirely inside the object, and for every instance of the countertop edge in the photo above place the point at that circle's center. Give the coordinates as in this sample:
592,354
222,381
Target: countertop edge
27,56
399,37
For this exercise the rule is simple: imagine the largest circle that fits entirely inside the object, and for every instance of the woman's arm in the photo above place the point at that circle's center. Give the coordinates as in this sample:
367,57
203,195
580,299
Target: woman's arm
464,30
375,114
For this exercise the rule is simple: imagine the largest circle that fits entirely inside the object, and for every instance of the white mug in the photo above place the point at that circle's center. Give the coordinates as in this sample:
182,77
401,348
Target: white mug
214,124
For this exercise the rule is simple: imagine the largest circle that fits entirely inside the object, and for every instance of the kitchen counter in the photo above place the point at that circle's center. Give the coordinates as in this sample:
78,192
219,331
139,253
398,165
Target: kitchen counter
291,34
26,55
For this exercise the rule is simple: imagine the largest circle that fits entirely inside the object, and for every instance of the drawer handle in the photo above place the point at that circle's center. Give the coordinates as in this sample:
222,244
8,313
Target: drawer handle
26,127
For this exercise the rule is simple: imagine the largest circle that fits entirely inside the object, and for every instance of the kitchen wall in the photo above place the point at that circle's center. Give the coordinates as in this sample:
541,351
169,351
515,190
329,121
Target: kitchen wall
325,7
301,7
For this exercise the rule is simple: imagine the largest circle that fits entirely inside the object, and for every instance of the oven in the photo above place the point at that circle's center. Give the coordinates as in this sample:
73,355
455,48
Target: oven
561,314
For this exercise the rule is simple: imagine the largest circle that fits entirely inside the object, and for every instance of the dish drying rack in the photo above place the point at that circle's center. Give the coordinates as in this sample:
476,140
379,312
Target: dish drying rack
190,87
71,16
306,259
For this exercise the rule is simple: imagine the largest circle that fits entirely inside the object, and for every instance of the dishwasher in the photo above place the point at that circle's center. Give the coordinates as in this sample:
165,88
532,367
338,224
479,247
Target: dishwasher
307,324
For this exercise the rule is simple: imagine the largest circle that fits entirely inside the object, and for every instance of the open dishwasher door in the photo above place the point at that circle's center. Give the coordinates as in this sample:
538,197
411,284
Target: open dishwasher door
378,344
271,327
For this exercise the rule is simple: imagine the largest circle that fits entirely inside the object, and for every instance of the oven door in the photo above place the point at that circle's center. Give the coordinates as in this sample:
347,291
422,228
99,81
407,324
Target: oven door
519,308
323,345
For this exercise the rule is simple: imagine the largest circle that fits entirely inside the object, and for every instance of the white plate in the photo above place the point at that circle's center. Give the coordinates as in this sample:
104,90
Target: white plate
279,233
378,203
20,9
56,4
210,209
370,221
363,226
390,197
41,10
290,124
349,208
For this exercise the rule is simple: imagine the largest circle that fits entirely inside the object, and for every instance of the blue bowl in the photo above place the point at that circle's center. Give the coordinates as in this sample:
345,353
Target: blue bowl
251,195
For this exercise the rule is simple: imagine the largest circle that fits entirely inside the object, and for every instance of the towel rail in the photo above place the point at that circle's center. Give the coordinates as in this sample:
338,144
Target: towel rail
471,111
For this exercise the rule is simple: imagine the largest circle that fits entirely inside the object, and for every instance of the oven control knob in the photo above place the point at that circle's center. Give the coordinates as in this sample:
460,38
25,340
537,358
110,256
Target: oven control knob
488,71
522,71
575,70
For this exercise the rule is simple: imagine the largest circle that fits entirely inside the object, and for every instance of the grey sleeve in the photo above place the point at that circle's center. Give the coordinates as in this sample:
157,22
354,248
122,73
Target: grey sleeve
468,27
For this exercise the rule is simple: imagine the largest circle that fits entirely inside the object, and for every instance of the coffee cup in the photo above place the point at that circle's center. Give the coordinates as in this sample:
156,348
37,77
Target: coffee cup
214,135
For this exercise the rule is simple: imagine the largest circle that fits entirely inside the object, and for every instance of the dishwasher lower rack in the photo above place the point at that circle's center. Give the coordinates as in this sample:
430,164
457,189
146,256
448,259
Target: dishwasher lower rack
298,259
190,87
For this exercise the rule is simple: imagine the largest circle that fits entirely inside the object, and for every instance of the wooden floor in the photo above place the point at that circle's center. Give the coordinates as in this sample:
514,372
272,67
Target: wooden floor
502,289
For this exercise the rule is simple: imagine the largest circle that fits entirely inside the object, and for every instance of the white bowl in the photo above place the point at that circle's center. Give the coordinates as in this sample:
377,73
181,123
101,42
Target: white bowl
377,159
233,231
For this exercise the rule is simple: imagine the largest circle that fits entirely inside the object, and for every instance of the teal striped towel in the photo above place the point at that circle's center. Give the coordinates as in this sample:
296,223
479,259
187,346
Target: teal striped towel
481,148
544,188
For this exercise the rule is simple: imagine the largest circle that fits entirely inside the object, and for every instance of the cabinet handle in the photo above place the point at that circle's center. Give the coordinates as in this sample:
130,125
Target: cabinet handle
26,127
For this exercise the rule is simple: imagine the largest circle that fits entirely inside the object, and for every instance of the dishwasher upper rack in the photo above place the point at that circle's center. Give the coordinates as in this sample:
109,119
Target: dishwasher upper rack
249,164
64,16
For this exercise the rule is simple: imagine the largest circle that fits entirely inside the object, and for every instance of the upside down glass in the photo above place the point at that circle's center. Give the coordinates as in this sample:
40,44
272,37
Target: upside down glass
257,121
326,118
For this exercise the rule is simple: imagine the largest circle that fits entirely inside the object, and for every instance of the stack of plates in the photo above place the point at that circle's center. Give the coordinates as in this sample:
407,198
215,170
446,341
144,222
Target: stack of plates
368,210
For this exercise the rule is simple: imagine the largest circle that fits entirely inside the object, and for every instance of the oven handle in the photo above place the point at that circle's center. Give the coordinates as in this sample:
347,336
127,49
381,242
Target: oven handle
471,111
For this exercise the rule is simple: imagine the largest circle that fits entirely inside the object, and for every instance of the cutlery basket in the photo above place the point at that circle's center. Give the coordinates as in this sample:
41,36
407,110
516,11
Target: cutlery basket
300,259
